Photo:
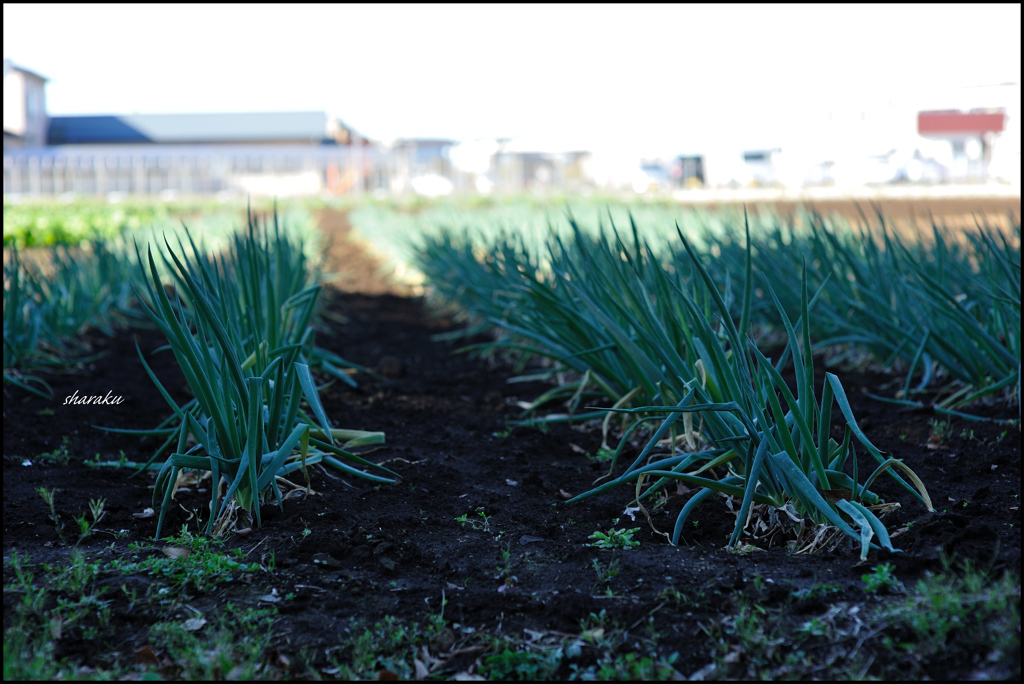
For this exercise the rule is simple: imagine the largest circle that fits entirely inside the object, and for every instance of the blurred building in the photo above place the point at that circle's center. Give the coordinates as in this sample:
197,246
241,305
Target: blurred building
253,153
420,165
25,120
970,137
846,139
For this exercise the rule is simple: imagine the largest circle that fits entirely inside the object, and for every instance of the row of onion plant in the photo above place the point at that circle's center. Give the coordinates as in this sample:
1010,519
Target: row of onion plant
945,305
51,303
658,338
942,306
53,298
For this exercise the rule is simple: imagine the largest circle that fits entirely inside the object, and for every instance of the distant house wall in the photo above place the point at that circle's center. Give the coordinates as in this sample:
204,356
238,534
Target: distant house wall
25,119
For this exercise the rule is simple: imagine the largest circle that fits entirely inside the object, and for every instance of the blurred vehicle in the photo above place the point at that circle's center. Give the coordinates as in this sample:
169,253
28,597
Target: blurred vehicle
485,183
851,172
688,171
869,170
432,185
921,169
819,174
651,178
761,165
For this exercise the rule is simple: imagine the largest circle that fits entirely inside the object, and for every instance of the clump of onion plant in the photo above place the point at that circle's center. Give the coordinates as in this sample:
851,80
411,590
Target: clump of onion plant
240,330
774,443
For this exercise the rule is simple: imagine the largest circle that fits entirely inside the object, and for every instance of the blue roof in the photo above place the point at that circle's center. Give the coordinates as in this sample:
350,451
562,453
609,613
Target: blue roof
66,130
310,127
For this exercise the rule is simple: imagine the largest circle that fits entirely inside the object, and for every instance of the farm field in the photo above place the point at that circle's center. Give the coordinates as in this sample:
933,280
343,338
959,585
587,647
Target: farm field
474,564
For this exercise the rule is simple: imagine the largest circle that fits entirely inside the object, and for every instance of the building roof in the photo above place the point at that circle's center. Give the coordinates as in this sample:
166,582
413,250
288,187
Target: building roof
308,127
955,122
11,66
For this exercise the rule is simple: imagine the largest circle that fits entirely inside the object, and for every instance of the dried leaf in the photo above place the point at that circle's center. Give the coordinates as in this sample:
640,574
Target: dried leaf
281,660
194,624
144,655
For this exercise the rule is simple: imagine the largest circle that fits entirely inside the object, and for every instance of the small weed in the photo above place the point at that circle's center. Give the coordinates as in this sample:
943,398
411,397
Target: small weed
953,616
595,620
631,667
524,665
63,605
388,646
881,580
305,533
605,573
484,524
86,528
190,563
815,627
817,590
504,570
47,495
968,434
503,434
942,430
96,461
75,577
60,455
673,595
614,539
230,643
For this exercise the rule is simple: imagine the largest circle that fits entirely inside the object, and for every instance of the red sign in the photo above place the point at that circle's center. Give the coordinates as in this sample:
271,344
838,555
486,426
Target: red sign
953,122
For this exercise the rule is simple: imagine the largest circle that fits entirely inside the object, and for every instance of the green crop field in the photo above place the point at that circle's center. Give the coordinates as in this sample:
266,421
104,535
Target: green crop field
623,441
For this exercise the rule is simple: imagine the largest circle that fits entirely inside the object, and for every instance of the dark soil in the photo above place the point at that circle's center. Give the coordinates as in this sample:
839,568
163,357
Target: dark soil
394,550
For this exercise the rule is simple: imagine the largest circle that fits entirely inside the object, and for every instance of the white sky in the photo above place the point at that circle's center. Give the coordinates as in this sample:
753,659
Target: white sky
649,76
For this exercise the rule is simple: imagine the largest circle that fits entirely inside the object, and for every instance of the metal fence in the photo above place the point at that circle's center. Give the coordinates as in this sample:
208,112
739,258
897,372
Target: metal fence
203,170
266,170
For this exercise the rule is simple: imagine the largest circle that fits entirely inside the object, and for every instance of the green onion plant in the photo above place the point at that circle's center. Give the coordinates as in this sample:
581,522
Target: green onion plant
239,327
